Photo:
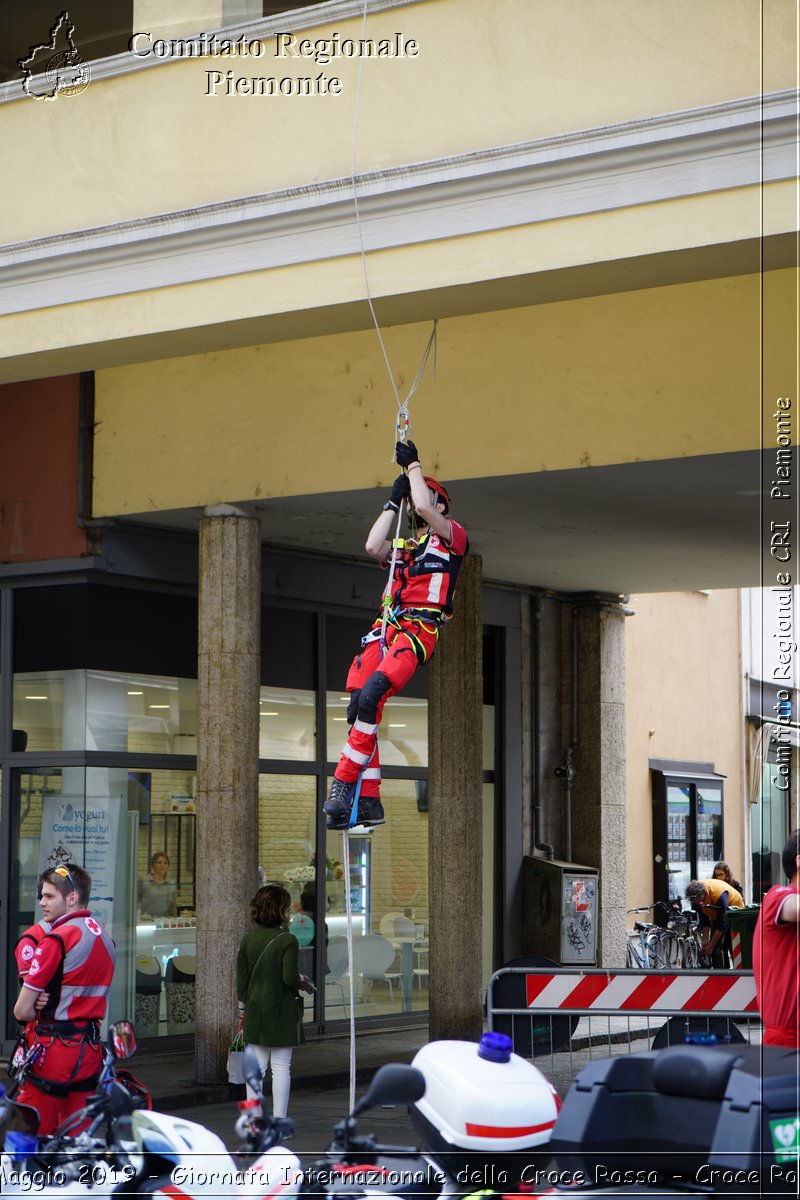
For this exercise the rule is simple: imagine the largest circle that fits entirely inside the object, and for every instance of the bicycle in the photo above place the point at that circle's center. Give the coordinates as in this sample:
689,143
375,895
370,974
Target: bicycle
659,946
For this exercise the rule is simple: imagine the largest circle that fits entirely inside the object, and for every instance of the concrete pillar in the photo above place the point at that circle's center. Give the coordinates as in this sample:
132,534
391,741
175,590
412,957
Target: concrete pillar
228,671
455,788
599,785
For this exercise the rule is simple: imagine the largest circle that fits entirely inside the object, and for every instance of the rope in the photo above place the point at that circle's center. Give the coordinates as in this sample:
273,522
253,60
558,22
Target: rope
402,414
358,214
350,972
403,430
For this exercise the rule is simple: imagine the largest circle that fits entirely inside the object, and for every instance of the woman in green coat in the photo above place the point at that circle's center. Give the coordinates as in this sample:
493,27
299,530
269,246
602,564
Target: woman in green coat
267,983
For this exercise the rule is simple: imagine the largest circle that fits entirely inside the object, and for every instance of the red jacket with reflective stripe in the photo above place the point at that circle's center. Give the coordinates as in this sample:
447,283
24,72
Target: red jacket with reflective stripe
426,572
74,963
26,946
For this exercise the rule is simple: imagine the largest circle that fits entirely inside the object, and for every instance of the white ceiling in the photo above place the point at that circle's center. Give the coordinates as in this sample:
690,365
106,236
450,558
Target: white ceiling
675,525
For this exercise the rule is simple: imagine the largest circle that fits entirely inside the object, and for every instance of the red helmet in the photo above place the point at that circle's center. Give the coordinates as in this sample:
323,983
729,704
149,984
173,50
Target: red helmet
441,491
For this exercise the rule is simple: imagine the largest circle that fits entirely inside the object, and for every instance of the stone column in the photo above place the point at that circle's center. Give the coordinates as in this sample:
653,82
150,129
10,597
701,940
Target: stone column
455,786
599,786
228,672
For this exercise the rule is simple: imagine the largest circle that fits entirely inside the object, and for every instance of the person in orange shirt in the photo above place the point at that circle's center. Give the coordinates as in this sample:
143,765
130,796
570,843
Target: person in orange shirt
776,954
712,898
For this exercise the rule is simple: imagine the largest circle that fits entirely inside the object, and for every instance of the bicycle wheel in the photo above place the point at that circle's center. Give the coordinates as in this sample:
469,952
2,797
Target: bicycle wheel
655,952
634,956
689,954
672,949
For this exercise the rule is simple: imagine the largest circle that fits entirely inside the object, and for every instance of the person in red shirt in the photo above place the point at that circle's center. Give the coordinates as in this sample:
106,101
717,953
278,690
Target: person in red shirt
776,954
65,991
422,588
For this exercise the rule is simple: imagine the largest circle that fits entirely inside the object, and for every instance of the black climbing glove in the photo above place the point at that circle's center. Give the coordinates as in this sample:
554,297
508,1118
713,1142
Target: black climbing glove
401,490
406,453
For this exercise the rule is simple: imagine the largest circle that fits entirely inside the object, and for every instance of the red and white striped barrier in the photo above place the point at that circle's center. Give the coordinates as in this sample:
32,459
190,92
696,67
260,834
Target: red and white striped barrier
641,992
736,948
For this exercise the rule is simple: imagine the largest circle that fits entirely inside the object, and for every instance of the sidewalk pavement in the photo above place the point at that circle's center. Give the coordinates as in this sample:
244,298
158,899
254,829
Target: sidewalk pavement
320,1092
168,1069
320,1086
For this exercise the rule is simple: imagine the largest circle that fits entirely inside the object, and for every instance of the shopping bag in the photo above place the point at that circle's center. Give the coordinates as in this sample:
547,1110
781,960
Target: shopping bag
236,1059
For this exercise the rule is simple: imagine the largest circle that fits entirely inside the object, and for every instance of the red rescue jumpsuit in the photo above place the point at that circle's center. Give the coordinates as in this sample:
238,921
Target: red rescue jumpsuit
422,593
74,964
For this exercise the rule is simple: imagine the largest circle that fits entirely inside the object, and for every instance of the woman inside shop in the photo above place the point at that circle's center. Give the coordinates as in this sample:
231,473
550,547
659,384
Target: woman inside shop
157,895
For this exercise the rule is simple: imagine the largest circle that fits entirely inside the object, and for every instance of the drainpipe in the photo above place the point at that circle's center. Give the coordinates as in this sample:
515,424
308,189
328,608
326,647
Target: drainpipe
536,749
567,770
85,448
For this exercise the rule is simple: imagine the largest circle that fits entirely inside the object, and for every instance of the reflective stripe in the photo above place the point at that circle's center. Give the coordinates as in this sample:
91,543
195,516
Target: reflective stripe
72,993
435,585
365,727
371,773
354,756
78,953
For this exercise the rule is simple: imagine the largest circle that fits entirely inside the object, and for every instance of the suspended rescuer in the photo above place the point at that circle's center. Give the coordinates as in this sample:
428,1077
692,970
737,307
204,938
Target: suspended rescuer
65,992
422,590
776,954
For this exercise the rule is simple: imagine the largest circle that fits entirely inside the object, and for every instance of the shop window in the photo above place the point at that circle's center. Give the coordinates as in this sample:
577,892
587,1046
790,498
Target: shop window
286,723
112,822
287,806
687,829
403,731
388,872
769,816
105,711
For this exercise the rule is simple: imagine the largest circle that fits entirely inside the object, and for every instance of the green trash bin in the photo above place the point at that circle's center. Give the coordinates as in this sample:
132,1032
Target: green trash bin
742,922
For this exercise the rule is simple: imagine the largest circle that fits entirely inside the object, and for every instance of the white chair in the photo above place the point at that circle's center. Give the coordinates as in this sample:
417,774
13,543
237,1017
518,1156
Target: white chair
396,925
372,955
420,971
336,951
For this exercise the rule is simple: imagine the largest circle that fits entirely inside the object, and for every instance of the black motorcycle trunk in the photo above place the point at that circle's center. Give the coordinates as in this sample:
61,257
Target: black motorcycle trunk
694,1114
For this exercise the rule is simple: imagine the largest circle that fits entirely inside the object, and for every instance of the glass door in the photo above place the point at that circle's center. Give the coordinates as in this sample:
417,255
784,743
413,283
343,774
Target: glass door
679,844
687,831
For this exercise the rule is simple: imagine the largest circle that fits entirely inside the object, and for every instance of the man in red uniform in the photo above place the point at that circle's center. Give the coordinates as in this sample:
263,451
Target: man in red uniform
65,991
422,589
776,954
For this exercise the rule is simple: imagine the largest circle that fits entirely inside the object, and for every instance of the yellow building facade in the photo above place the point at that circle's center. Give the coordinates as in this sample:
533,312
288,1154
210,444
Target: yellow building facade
597,205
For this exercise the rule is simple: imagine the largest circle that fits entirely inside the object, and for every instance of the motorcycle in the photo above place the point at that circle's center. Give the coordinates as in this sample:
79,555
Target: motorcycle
176,1156
89,1150
484,1115
470,1103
